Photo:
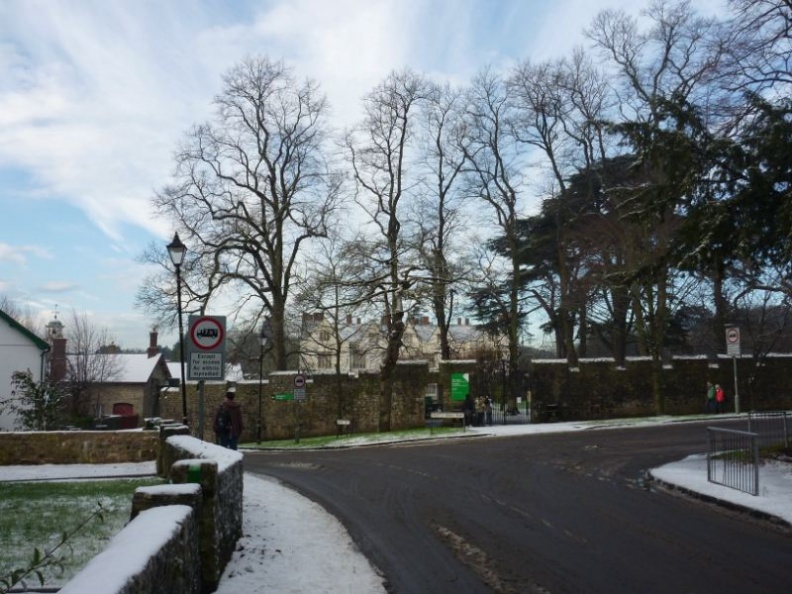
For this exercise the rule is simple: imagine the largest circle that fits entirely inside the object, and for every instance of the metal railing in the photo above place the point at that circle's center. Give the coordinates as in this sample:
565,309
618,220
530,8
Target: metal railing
733,459
772,427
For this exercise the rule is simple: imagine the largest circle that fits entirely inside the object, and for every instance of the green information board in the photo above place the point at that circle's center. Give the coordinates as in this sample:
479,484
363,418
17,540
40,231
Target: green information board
460,386
283,396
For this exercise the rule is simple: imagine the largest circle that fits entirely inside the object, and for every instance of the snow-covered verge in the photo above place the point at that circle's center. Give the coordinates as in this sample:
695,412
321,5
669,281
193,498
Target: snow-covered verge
291,545
157,551
187,552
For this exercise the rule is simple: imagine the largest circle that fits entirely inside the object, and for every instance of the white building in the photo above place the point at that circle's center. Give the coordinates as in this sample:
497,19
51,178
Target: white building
20,350
359,345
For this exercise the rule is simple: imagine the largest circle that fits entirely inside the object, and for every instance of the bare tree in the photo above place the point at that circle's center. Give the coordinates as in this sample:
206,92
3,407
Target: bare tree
331,289
440,215
497,175
89,364
23,316
379,152
252,187
758,44
560,108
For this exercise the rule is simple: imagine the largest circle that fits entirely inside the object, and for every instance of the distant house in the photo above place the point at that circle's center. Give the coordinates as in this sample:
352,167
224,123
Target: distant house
129,388
360,345
20,350
134,390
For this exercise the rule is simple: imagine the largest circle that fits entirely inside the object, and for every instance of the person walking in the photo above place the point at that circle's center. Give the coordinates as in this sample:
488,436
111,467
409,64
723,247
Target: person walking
488,410
480,410
228,422
710,398
720,399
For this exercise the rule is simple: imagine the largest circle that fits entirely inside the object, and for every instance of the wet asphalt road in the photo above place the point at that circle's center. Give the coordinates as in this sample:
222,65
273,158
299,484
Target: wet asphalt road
554,513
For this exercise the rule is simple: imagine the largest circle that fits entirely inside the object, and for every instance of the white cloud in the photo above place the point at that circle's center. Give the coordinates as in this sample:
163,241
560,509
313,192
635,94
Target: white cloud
19,254
58,287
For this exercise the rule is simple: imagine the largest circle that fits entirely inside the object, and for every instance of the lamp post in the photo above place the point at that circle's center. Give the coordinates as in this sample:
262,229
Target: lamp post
263,338
504,397
177,251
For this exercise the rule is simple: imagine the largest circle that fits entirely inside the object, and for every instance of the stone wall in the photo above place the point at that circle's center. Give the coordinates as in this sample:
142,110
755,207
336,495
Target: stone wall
328,397
190,530
77,447
168,563
220,474
597,388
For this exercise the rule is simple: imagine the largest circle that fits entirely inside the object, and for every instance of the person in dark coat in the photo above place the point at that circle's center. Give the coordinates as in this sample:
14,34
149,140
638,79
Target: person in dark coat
228,422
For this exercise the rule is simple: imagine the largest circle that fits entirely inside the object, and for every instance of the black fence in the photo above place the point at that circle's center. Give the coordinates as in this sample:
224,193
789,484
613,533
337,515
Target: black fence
733,459
772,428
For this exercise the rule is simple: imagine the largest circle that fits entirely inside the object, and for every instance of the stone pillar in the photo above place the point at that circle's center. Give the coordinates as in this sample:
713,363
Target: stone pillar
165,457
158,495
210,517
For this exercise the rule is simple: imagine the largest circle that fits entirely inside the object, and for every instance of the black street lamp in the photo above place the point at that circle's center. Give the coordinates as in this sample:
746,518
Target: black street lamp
177,251
505,364
263,339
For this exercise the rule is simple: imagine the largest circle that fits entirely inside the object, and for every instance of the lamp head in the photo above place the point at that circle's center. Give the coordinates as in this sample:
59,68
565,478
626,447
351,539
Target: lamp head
176,250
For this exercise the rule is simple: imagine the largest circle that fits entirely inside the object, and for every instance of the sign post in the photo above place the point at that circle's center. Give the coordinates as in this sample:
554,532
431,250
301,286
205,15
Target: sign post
206,348
733,350
299,396
205,352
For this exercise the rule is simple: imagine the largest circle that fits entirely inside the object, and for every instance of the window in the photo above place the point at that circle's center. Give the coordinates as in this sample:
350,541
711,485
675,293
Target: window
325,361
324,336
358,358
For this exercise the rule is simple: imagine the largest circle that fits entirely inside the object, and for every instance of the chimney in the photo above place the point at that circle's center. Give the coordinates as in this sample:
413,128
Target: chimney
152,350
425,321
349,320
58,360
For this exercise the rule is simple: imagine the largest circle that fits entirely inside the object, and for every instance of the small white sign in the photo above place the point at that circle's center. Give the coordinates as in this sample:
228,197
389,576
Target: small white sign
206,366
733,341
448,415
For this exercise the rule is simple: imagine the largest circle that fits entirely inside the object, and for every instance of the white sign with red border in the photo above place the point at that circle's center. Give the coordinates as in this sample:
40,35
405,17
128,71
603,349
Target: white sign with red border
207,333
206,348
733,341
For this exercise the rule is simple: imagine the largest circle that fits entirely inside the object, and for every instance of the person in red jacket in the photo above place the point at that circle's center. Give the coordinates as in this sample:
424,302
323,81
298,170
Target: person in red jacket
720,398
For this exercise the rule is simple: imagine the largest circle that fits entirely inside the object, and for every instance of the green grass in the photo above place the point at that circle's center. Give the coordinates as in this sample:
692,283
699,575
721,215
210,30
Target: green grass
34,515
332,441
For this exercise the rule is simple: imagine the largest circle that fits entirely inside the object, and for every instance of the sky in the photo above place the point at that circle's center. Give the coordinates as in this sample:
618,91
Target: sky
291,544
95,97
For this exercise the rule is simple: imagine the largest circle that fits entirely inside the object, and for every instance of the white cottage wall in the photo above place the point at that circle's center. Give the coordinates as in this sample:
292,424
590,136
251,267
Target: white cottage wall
18,352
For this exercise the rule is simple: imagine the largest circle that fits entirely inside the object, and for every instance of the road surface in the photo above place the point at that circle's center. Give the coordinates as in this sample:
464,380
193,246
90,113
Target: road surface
553,513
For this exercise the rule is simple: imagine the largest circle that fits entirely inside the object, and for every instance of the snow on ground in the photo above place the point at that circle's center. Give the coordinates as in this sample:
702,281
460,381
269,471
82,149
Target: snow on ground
76,471
775,485
291,545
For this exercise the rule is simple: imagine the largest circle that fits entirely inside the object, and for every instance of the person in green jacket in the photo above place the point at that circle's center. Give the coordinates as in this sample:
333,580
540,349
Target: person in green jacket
711,404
